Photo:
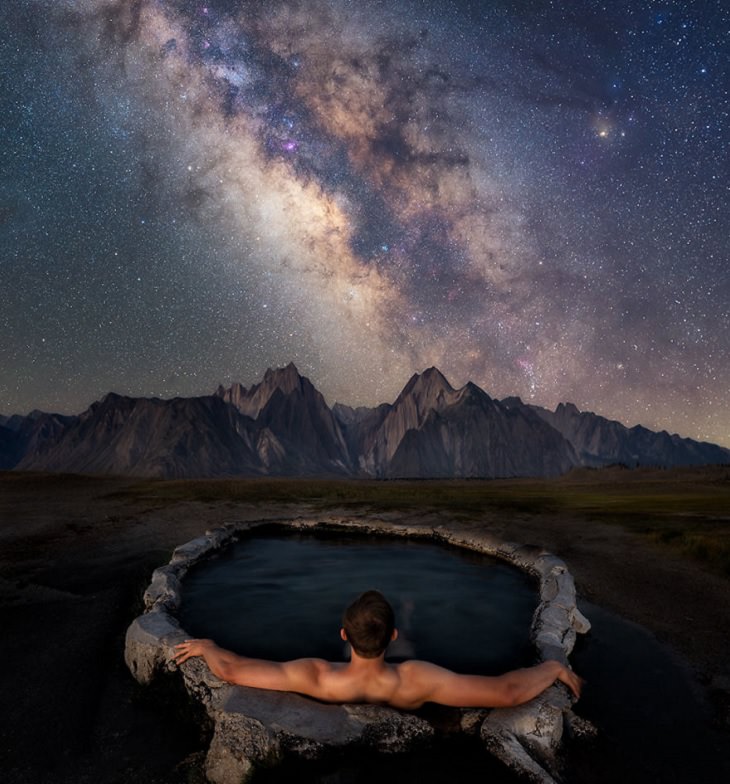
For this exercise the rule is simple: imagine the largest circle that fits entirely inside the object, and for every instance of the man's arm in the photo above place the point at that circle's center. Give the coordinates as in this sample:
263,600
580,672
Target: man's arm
431,683
300,675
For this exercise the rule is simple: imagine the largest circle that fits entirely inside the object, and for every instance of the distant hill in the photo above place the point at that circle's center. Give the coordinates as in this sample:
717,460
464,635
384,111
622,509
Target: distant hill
599,441
21,436
283,427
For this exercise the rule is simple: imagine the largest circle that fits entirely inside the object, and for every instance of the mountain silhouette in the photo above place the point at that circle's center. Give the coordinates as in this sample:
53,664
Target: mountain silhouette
284,427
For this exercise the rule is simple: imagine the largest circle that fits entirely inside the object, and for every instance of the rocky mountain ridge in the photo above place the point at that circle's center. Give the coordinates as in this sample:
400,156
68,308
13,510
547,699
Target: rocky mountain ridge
599,441
284,427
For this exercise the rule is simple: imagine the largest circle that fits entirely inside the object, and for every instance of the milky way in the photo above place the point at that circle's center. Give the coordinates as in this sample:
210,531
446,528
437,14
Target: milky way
532,196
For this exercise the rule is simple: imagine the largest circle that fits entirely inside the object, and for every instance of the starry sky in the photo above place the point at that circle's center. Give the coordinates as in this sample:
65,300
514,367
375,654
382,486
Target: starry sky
529,195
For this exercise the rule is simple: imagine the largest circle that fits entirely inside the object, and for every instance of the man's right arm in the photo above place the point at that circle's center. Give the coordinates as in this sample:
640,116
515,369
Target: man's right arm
430,683
300,675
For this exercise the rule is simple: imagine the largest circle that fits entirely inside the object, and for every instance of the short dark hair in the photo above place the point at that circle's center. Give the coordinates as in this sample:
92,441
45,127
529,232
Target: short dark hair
368,623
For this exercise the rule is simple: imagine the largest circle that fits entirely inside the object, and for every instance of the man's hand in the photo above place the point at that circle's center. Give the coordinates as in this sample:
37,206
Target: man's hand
571,680
186,650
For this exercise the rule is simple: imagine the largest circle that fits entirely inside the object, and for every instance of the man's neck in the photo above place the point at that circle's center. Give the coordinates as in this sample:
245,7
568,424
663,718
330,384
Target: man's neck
361,665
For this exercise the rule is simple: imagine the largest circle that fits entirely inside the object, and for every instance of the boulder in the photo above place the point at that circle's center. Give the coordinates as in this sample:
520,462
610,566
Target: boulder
148,640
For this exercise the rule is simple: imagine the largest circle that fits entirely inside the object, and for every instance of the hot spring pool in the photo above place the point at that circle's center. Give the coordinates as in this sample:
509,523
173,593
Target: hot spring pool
281,597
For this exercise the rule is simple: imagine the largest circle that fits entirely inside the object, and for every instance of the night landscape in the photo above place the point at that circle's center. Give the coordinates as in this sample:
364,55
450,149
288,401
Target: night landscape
458,268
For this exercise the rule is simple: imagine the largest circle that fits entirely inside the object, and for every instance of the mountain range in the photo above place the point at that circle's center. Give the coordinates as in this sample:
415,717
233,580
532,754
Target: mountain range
284,427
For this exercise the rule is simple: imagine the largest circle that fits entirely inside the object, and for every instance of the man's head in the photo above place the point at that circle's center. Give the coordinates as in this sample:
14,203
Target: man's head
368,624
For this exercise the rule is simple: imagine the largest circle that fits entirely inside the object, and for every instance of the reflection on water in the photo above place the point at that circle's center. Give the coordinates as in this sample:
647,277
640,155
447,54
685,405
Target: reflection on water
281,597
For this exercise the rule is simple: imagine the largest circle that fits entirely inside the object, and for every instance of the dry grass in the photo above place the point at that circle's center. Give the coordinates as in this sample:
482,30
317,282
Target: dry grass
685,509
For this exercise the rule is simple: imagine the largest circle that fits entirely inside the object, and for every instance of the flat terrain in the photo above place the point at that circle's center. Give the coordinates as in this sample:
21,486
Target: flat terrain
76,553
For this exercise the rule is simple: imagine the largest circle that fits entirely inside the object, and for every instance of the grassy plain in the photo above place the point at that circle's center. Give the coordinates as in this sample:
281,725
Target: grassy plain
687,510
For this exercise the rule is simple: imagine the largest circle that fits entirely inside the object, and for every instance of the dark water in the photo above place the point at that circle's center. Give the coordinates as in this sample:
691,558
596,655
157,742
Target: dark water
281,597
654,721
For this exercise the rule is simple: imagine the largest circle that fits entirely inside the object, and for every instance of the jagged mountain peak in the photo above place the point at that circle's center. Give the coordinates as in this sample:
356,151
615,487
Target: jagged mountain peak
434,375
567,408
472,390
221,391
513,401
296,418
276,381
287,379
426,387
111,396
432,378
110,400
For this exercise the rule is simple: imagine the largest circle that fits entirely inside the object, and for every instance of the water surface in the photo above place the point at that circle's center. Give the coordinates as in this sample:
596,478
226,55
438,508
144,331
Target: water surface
281,597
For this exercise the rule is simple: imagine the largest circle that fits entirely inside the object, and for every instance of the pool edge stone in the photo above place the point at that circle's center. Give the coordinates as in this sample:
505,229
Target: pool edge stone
525,738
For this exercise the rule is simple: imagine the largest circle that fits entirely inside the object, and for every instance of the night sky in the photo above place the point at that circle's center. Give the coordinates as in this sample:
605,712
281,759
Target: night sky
529,195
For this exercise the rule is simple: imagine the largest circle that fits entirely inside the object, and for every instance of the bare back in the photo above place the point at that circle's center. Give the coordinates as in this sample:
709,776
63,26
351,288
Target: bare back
406,686
338,683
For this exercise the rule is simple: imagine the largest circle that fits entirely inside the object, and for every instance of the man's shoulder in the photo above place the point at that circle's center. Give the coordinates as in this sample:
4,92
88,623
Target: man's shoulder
307,674
417,670
418,665
319,665
417,682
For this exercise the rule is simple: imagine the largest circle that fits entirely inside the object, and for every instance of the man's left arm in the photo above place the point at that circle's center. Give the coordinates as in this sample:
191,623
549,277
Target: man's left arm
430,683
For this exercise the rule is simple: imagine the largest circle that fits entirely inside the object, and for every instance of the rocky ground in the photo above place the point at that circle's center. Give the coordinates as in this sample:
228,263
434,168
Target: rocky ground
76,554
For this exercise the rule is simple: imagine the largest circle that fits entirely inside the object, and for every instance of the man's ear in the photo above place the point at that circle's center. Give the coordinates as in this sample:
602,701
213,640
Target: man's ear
343,634
394,637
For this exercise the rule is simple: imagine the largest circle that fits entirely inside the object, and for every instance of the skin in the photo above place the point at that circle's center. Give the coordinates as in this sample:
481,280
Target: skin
407,686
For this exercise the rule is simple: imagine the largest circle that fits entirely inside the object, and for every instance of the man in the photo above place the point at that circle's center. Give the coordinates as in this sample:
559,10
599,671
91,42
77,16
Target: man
369,625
